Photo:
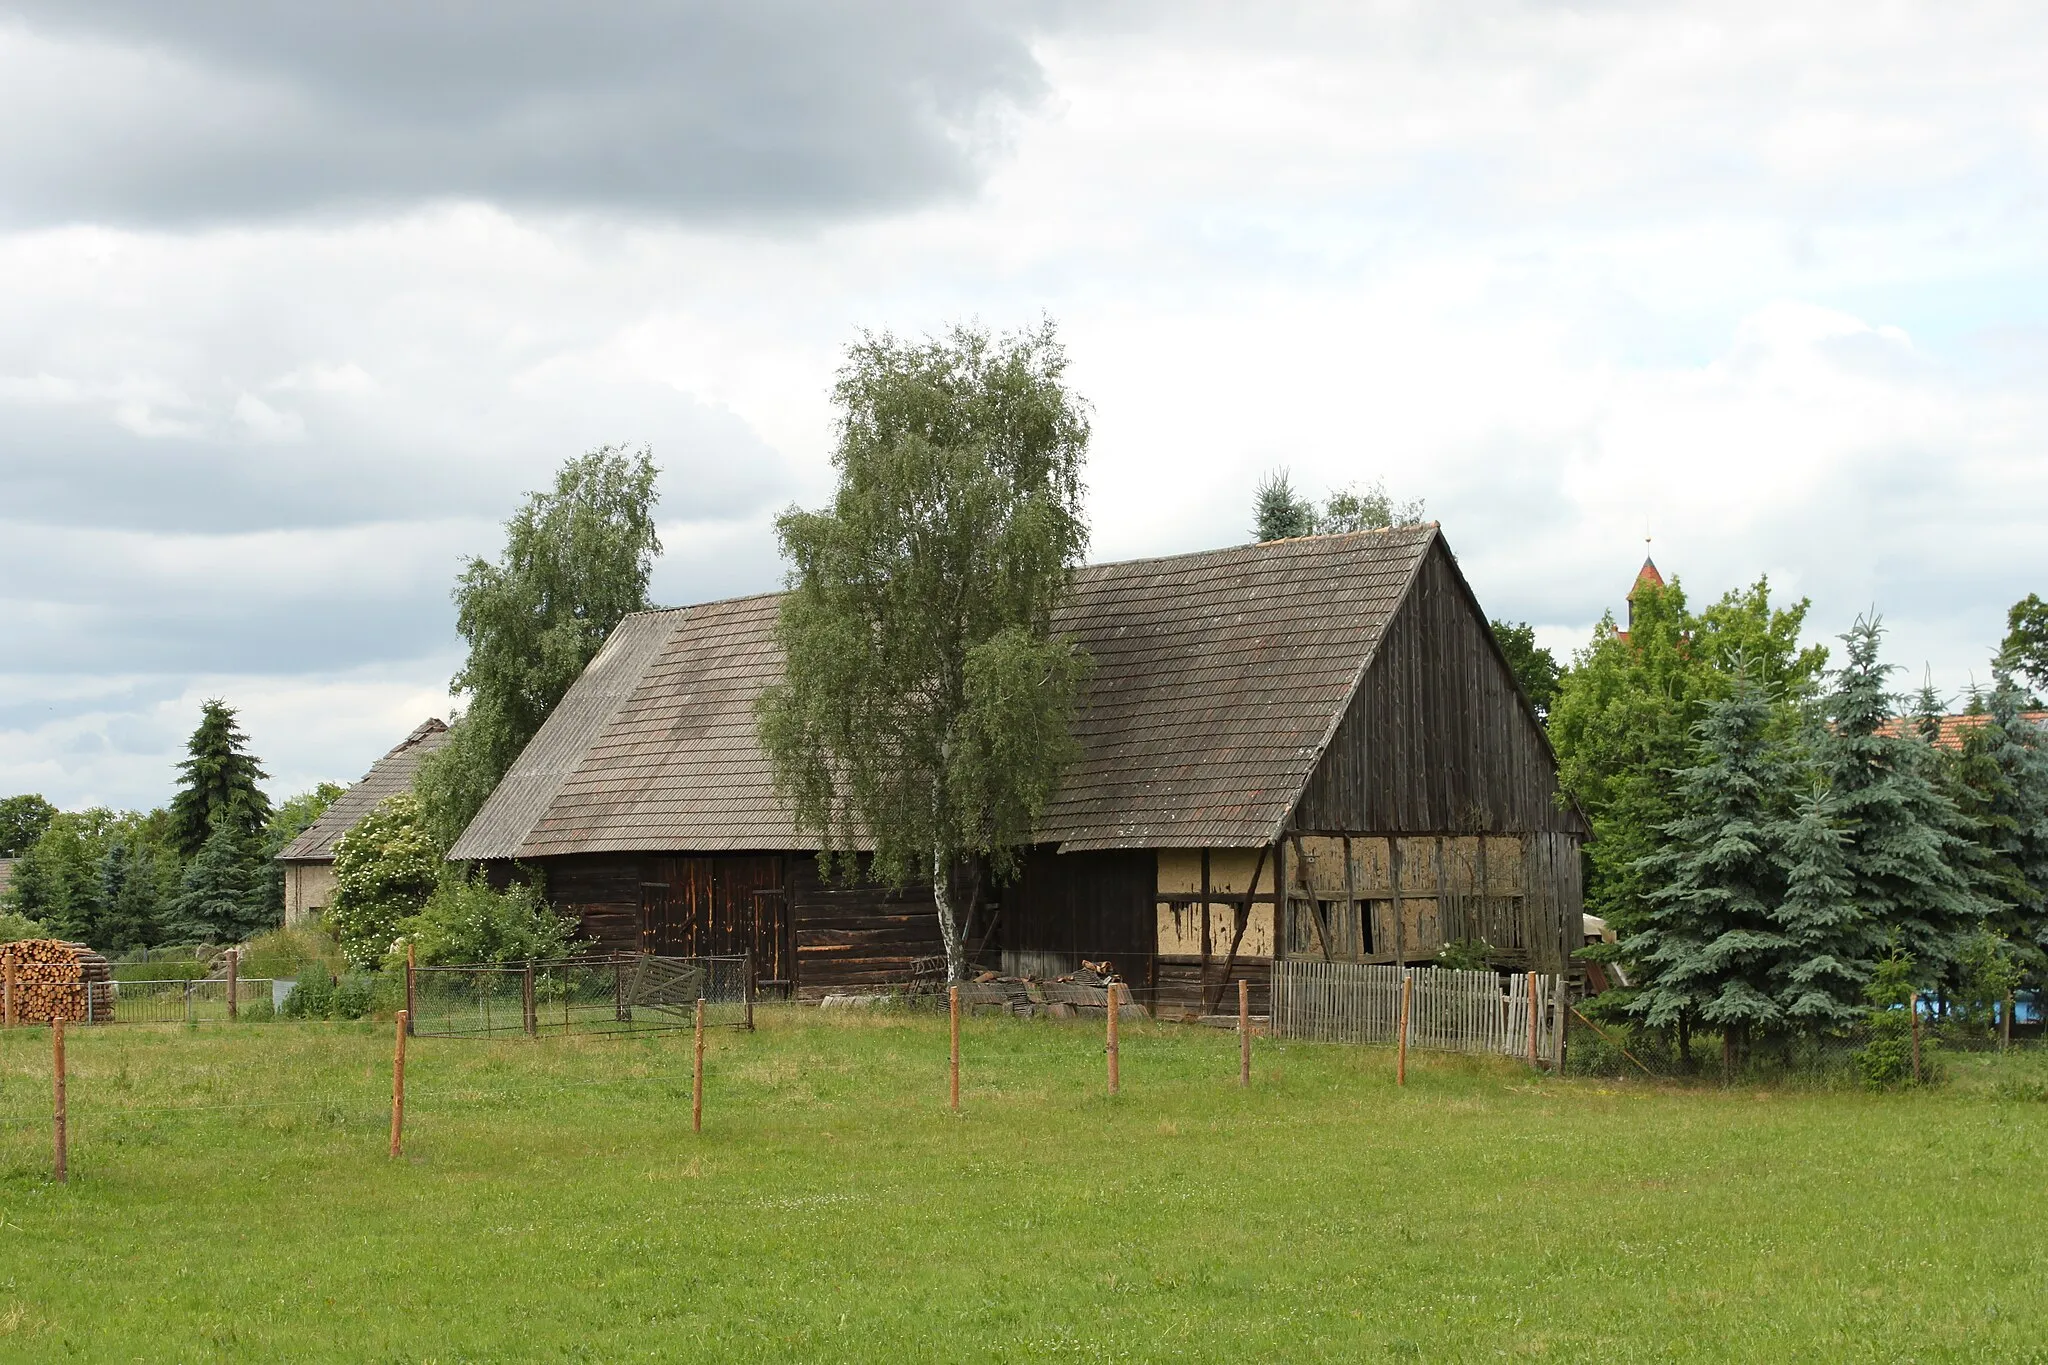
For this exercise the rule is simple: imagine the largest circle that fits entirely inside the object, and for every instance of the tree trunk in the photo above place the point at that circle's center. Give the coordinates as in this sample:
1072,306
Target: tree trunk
1685,1041
949,924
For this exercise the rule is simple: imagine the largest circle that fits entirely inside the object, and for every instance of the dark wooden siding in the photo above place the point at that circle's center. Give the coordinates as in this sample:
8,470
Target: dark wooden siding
858,934
1094,905
1437,740
717,905
603,891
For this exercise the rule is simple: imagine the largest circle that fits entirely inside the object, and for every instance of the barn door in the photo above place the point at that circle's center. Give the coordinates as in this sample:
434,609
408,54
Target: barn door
772,945
654,915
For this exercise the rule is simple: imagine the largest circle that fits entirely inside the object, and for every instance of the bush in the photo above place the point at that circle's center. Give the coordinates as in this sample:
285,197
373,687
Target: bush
1886,1060
465,920
15,926
321,996
287,954
384,870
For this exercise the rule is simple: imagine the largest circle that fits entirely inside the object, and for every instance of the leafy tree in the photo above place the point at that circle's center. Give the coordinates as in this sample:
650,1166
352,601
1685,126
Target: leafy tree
56,879
465,920
926,701
22,821
65,880
1365,507
219,783
1536,668
1279,513
291,819
384,870
1749,927
576,562
1905,853
220,898
1623,718
2025,649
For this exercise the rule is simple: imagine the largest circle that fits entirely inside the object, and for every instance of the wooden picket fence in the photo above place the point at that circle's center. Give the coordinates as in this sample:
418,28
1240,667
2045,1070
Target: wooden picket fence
1448,1011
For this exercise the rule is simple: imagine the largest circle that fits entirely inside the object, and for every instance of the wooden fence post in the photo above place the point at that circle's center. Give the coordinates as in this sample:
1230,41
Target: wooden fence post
411,1010
234,983
1401,1043
697,1075
953,1062
527,1005
398,1080
1110,994
1244,1032
1913,1007
2005,1043
57,1075
1532,1019
747,982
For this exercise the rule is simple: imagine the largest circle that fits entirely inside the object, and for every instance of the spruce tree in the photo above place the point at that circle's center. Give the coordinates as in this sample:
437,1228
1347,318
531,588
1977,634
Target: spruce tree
129,912
1280,513
221,897
1820,980
1710,944
2001,788
219,783
1905,852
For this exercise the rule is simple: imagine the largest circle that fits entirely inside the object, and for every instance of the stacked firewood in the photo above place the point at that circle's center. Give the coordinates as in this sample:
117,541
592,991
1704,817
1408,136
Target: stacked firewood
58,980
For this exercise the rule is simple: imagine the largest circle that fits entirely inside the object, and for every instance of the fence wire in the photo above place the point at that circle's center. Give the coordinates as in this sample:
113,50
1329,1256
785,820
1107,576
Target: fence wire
614,993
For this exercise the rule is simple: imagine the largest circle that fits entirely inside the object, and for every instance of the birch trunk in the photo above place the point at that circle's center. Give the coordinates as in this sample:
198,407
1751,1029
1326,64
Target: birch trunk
949,924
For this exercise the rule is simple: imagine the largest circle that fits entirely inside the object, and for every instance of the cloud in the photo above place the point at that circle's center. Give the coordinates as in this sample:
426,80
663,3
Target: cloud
1771,286
730,110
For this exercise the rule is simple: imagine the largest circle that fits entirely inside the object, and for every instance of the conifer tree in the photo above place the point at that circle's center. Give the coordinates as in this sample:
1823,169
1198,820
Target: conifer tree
219,783
1710,943
220,899
129,912
1820,980
1280,513
2000,785
1904,850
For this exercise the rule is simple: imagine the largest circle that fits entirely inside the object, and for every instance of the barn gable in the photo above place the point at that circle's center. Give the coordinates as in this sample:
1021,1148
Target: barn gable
1437,738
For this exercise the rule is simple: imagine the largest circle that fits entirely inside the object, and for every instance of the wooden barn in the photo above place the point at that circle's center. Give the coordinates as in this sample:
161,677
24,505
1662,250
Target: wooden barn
1308,747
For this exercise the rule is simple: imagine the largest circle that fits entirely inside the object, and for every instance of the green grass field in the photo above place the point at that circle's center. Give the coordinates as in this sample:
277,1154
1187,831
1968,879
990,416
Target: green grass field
231,1198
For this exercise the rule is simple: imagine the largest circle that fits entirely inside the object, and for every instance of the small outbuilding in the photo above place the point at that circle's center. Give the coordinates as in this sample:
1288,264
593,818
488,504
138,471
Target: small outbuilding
309,859
1302,748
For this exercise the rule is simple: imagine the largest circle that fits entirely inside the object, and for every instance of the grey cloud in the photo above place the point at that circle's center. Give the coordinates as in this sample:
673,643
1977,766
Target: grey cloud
397,456
135,112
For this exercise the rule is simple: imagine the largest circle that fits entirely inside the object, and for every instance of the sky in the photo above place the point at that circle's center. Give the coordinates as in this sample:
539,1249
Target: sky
300,301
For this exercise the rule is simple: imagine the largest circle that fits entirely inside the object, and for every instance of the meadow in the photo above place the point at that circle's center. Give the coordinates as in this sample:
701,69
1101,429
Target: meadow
231,1198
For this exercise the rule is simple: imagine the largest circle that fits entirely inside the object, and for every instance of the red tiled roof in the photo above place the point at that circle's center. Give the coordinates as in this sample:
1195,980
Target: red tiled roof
1949,730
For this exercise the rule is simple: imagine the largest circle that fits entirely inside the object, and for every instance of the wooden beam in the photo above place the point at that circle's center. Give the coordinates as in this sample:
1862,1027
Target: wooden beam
1315,907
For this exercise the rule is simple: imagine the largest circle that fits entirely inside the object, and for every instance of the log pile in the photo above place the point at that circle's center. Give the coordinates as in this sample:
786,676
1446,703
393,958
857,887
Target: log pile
58,980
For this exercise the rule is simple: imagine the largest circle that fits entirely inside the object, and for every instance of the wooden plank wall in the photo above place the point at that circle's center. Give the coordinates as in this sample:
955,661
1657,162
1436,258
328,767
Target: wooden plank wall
603,891
1437,740
1067,906
857,935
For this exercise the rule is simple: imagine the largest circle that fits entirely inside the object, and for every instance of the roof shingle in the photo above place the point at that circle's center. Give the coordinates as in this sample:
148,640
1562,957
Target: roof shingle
389,776
1218,678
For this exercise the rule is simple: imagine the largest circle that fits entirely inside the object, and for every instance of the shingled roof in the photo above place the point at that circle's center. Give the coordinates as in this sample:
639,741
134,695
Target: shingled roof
388,776
1218,679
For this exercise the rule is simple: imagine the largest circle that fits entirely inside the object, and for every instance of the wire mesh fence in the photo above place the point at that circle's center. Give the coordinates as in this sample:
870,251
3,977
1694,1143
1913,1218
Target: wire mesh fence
613,993
179,1001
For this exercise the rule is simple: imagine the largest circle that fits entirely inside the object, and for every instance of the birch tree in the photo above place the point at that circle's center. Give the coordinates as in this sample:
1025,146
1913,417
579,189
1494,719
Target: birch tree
924,714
